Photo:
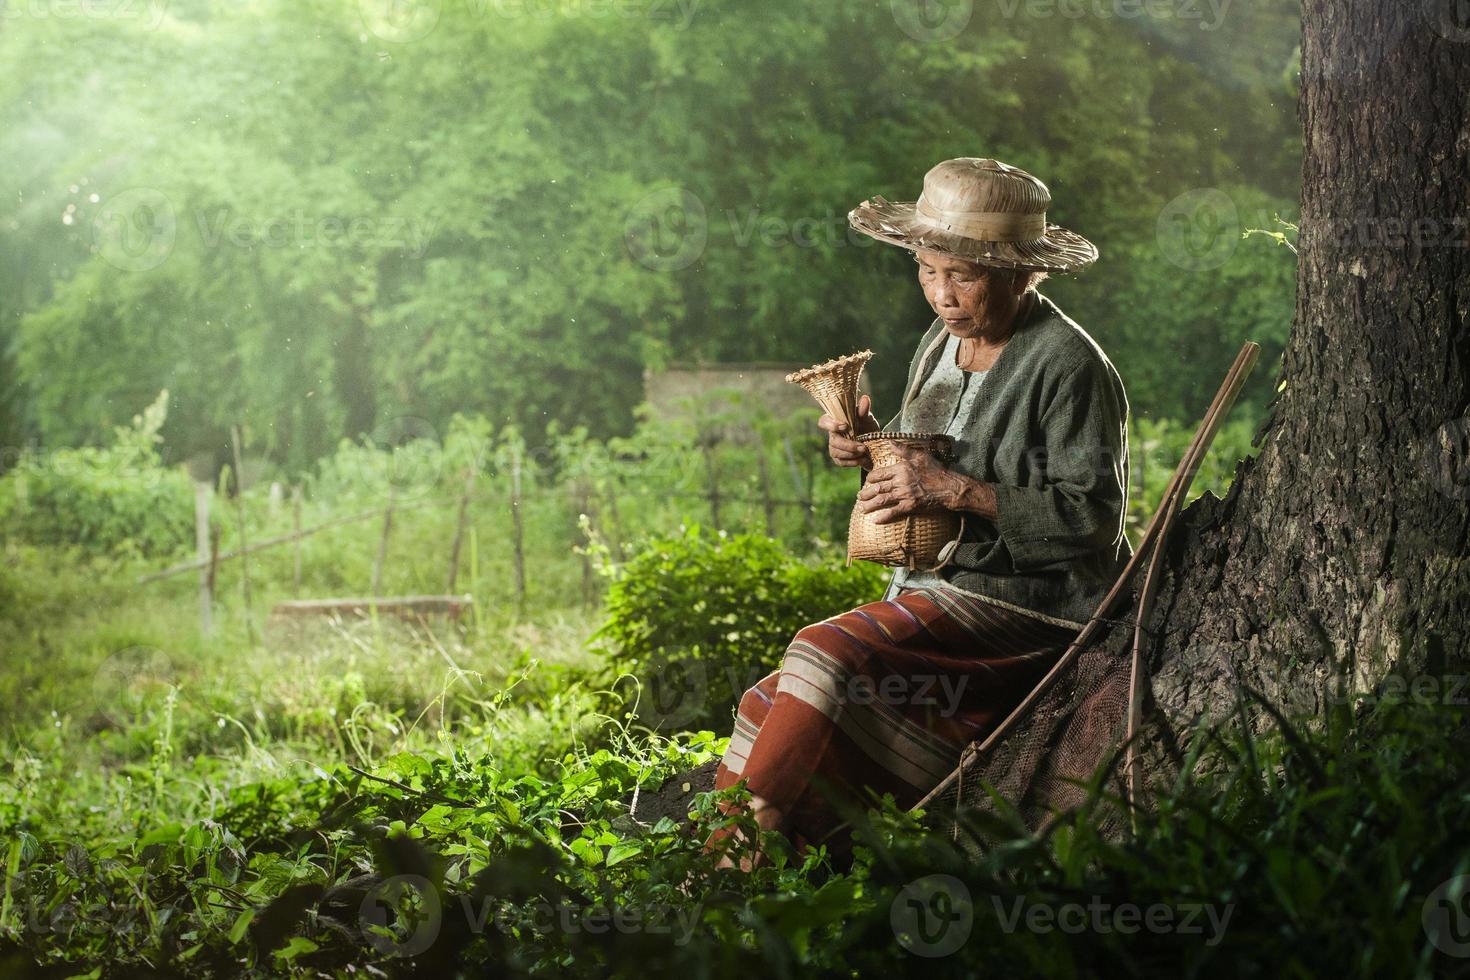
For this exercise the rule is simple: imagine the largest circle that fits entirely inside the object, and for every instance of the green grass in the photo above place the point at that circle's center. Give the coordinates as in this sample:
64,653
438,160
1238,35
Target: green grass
254,803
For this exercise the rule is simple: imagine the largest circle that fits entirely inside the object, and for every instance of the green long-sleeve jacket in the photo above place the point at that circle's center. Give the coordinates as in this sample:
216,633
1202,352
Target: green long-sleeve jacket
1050,430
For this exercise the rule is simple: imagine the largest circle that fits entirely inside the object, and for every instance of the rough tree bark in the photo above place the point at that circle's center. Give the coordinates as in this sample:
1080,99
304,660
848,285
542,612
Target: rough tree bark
1342,546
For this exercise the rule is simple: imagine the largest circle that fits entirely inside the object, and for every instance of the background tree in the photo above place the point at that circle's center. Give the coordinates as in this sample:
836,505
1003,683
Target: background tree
314,221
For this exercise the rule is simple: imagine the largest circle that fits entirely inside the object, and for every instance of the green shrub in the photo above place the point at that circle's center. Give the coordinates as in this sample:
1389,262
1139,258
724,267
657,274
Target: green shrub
698,617
116,501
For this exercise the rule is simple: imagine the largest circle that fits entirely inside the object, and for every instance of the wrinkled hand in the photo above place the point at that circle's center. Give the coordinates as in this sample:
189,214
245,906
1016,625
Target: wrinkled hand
842,444
917,482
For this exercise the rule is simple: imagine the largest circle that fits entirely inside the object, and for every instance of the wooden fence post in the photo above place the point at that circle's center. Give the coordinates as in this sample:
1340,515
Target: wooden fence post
213,568
296,530
475,571
459,526
712,474
583,505
811,489
803,495
202,491
615,521
235,441
767,503
518,530
382,557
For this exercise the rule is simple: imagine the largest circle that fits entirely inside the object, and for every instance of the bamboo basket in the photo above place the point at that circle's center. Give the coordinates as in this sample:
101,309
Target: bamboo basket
834,384
916,542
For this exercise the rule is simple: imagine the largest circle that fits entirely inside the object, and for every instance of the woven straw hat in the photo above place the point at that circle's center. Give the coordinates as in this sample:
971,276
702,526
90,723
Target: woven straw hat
982,210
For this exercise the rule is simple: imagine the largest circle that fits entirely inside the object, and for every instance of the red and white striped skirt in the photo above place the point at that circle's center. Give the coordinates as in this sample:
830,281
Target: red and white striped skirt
883,699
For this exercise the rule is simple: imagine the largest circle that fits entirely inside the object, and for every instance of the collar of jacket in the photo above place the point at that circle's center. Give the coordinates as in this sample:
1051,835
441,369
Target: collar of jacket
1022,337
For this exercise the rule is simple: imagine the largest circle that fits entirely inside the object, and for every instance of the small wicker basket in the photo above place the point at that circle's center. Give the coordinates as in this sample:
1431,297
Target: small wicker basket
916,542
834,384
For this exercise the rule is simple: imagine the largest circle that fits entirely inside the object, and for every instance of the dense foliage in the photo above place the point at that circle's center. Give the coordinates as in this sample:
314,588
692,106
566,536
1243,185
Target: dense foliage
454,862
313,219
695,620
115,500
318,798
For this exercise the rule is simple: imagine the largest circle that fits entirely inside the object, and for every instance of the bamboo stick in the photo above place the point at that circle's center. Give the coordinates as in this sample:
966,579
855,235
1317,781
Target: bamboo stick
1244,362
1183,474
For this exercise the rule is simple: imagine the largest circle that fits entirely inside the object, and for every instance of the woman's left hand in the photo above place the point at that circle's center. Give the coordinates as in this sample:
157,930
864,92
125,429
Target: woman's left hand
916,482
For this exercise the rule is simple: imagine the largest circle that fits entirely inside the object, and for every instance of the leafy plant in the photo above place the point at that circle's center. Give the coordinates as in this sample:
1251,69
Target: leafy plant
698,617
114,501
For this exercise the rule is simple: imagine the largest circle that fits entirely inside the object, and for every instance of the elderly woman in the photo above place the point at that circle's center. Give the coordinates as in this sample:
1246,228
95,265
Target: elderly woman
884,698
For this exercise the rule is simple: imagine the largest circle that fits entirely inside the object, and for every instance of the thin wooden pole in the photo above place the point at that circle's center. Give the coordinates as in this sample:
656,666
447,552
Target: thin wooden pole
811,489
296,536
382,557
803,495
1183,475
768,505
202,491
459,525
212,573
1245,361
615,522
517,526
235,441
584,506
712,475
475,571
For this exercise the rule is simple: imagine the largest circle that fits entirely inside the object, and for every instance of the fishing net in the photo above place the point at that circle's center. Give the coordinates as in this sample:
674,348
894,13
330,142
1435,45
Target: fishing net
1071,739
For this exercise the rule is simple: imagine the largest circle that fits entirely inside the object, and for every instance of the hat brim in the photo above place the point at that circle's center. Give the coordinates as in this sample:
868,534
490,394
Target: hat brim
899,223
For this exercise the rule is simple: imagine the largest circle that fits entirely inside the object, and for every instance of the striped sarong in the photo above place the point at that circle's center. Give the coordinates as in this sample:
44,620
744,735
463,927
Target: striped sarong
883,699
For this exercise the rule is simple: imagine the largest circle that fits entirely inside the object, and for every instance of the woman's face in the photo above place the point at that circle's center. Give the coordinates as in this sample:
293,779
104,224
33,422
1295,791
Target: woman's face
972,299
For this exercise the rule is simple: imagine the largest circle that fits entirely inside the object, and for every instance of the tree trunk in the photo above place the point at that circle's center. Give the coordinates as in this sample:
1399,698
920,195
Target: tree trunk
1339,553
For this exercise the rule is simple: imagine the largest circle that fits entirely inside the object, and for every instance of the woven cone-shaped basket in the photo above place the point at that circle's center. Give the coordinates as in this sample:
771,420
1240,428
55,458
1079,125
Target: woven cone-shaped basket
835,385
915,541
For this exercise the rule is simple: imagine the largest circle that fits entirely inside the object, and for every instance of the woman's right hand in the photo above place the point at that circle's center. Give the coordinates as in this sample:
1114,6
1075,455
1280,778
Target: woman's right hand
842,445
